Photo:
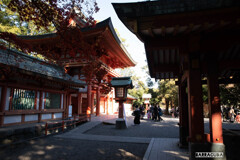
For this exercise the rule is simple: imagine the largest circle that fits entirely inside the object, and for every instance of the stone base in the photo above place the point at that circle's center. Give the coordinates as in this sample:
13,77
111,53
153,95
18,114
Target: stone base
206,147
121,124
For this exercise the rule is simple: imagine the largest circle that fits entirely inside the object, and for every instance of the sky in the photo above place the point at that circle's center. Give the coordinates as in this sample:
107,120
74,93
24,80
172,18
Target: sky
134,46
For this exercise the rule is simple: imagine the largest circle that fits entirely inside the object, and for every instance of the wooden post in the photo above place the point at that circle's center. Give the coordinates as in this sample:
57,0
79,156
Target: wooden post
64,105
40,106
92,102
62,125
79,103
3,104
120,111
98,101
104,105
215,122
195,103
107,103
46,128
89,100
69,102
183,115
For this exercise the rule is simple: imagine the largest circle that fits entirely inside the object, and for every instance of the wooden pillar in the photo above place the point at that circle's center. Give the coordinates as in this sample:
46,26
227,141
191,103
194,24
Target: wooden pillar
40,106
183,115
112,104
146,106
104,105
195,102
89,93
107,104
98,102
79,103
92,102
68,103
215,122
120,111
3,103
65,105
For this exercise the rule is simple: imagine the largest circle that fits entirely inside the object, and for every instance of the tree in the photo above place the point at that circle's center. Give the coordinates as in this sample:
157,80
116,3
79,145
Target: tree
168,91
230,94
148,78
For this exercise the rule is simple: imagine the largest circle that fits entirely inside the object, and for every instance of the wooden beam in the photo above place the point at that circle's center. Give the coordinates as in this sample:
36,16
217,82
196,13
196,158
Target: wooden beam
167,68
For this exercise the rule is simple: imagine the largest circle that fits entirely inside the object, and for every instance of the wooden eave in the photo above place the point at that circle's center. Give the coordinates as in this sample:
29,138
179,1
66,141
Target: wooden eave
168,37
103,31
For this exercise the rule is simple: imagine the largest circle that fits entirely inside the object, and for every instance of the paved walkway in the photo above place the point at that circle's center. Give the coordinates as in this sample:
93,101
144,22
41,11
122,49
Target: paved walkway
158,148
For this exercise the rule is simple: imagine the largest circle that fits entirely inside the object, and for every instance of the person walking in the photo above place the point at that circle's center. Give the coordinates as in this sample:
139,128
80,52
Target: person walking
160,113
151,110
136,114
232,115
155,111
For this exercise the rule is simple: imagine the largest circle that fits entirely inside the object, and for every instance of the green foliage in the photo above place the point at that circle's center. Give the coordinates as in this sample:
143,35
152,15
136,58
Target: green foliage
205,93
230,94
148,79
168,91
10,21
156,99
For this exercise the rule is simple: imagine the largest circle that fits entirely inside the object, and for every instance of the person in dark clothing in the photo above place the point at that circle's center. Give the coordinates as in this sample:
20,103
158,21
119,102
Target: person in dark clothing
160,114
151,110
142,113
155,111
136,115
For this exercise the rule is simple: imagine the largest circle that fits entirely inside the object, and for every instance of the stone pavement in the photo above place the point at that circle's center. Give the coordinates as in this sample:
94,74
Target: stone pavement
158,148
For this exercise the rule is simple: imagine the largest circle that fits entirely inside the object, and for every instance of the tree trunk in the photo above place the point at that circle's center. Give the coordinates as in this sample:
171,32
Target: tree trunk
167,106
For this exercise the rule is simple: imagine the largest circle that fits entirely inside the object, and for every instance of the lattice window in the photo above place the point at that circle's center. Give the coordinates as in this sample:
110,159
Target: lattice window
53,100
23,99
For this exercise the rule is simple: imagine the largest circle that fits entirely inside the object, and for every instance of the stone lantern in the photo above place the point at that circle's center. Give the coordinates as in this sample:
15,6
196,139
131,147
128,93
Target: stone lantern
121,85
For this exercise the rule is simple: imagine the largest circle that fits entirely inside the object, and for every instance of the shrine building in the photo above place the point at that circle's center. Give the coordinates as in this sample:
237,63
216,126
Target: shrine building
196,42
33,90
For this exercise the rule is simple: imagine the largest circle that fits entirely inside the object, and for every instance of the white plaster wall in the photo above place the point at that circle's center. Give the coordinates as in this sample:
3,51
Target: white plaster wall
46,116
43,97
33,117
12,119
7,99
128,109
62,102
38,96
57,115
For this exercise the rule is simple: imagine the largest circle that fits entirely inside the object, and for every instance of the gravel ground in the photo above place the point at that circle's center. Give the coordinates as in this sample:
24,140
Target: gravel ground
148,128
52,148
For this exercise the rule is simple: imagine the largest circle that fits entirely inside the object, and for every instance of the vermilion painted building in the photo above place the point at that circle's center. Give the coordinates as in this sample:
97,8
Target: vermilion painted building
33,90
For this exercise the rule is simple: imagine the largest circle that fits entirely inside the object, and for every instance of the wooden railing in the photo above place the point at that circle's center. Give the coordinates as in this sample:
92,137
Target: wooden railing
64,124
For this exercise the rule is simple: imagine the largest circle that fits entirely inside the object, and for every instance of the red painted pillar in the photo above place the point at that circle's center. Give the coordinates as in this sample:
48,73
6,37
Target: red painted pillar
40,106
98,101
215,122
92,103
3,103
104,105
79,103
146,106
107,103
195,103
89,100
183,115
120,112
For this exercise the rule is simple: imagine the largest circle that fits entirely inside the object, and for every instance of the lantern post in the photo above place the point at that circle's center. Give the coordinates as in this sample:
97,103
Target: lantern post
121,85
